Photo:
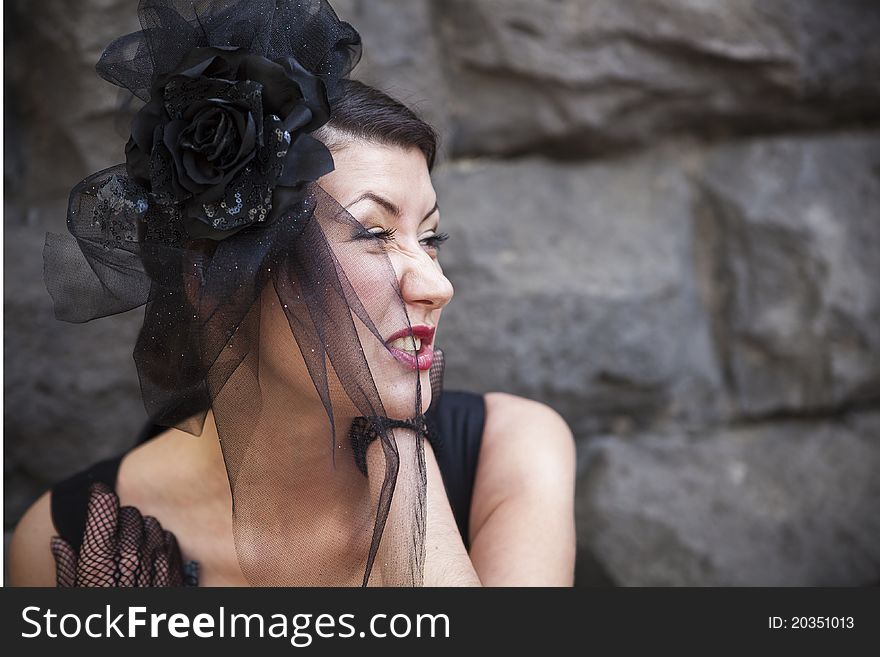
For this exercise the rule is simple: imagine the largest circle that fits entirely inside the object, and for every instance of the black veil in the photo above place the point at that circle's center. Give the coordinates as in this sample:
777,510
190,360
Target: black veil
263,297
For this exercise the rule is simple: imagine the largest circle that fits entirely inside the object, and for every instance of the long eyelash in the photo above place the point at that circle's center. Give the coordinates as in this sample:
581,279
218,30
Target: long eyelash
436,240
385,235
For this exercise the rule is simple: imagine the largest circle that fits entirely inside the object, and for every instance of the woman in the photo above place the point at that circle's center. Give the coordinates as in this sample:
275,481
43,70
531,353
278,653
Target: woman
292,330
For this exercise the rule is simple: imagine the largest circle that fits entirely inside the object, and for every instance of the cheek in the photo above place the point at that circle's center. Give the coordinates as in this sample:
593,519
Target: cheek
281,360
397,390
374,283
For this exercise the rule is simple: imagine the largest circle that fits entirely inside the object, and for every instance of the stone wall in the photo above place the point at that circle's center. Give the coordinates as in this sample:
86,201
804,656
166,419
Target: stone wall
665,221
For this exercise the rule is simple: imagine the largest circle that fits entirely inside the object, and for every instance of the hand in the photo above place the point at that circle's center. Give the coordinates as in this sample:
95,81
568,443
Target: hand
120,548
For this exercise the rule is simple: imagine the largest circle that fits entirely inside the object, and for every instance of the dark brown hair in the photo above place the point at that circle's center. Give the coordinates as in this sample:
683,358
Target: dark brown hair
364,112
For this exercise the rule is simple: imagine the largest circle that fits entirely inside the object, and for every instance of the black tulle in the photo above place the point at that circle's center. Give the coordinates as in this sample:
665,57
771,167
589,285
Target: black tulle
307,30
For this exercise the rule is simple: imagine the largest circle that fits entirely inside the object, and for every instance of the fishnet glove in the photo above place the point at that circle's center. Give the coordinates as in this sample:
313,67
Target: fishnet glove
120,548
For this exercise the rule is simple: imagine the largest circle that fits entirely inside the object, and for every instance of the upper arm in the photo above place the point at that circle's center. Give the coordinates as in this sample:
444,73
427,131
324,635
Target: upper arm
30,555
522,513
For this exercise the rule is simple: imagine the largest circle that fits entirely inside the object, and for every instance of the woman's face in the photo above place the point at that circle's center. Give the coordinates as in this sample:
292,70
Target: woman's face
388,191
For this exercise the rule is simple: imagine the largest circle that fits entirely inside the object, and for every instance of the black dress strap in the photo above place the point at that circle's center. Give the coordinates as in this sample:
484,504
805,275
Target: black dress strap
70,499
458,421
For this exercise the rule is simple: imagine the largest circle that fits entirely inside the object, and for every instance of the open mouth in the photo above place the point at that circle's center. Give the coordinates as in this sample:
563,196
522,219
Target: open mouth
412,347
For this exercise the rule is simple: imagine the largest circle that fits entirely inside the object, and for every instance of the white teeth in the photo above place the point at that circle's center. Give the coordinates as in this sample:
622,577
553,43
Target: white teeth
409,343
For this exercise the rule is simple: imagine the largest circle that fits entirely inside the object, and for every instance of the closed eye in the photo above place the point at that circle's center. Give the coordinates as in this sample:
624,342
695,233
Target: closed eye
434,241
384,234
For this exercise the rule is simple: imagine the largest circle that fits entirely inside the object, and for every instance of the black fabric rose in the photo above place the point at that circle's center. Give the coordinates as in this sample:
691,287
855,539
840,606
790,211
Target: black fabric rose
225,136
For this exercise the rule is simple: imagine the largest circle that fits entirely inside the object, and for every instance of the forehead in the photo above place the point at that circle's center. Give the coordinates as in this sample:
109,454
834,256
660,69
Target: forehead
399,174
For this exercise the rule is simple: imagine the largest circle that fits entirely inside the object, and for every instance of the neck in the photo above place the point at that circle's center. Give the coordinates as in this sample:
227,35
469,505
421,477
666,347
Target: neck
290,447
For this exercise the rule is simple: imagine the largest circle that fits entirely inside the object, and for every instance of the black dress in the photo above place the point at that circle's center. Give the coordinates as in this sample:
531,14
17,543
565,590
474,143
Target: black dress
457,422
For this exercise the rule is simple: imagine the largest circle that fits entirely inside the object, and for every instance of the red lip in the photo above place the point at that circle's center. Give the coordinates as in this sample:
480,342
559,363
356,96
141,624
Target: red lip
424,357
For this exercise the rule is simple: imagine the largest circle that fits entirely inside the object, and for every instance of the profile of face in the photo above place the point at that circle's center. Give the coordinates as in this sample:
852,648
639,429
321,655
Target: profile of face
386,247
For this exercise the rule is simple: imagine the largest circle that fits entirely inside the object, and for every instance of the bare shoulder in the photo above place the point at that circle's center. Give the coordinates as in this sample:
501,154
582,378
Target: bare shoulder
526,445
30,554
520,424
522,512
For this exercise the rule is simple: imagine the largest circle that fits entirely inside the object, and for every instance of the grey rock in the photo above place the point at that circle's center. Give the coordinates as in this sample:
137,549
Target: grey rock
576,284
581,78
771,504
790,235
400,54
71,124
71,392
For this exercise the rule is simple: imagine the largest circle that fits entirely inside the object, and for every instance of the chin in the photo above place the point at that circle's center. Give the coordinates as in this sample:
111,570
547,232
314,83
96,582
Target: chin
398,394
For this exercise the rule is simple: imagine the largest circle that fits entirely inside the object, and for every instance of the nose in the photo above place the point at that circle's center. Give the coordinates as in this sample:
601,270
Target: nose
423,283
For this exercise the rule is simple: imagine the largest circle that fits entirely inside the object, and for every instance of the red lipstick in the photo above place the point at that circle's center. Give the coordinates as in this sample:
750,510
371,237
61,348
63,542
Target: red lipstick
423,358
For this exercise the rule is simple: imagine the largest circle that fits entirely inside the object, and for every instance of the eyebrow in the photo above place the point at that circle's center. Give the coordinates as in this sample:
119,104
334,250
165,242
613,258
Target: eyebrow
387,205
